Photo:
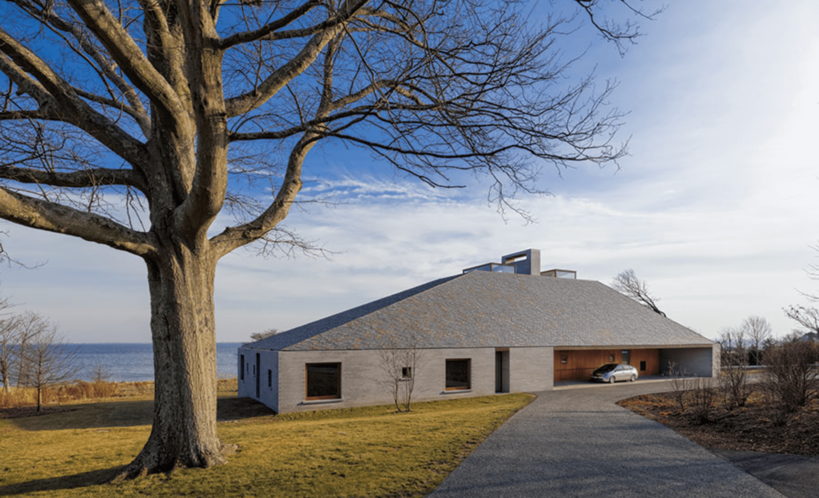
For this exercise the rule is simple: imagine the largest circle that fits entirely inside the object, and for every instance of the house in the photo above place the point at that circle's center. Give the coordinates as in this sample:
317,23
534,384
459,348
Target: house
495,328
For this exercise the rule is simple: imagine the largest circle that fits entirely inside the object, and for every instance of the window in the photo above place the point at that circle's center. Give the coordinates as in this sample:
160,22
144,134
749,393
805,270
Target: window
458,375
564,358
242,367
406,372
642,366
323,381
270,378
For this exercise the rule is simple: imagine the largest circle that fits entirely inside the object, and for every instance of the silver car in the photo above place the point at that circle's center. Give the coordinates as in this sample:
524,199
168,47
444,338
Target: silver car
612,372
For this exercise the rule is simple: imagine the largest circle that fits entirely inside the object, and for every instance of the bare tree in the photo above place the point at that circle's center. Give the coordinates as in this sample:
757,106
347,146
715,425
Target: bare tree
733,378
400,367
52,361
8,341
807,317
757,330
27,325
134,124
628,283
258,336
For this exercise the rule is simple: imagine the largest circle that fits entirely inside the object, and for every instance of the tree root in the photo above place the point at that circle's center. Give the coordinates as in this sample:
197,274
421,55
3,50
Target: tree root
147,462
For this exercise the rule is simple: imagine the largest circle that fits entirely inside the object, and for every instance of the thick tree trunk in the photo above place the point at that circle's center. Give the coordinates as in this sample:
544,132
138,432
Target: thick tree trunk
184,344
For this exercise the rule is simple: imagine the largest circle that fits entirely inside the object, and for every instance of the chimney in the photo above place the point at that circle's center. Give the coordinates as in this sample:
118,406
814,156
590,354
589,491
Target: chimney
525,262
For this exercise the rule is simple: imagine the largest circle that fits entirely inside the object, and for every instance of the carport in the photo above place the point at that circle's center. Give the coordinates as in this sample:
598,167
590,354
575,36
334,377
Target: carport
578,363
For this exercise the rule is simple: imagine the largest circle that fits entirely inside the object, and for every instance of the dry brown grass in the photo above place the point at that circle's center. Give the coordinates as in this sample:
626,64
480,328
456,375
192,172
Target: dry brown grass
86,391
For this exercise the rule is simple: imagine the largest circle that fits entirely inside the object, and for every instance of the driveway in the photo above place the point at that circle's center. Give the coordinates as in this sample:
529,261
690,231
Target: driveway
578,443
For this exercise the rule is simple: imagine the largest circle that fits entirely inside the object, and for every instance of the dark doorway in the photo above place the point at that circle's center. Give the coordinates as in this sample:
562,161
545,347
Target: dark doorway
501,371
642,366
258,377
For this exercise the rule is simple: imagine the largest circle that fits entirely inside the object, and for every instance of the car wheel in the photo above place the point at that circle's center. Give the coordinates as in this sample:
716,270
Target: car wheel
633,378
611,379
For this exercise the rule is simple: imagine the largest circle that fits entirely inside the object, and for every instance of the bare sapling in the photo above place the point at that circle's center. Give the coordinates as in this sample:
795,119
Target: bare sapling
680,383
733,379
701,398
400,368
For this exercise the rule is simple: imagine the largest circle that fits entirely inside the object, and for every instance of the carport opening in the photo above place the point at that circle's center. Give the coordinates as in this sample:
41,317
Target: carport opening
579,364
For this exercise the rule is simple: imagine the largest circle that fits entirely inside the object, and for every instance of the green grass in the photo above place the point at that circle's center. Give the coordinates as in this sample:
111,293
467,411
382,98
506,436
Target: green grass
368,452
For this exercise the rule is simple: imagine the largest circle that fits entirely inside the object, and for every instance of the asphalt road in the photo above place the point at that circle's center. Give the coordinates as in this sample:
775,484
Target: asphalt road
578,443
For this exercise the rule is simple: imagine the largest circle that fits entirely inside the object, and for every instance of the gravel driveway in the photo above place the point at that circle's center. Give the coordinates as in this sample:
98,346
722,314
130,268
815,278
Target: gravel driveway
578,443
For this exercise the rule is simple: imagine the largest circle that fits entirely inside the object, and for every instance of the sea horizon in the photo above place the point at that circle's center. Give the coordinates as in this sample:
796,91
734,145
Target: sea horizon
133,361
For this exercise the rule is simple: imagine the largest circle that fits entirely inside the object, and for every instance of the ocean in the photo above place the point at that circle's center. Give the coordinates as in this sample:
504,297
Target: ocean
135,362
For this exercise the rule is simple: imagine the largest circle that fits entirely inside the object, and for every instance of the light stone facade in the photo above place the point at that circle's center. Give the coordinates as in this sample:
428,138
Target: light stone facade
527,369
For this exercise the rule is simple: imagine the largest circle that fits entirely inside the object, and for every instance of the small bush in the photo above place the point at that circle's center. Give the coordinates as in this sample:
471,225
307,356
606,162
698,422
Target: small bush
680,384
701,398
791,380
733,378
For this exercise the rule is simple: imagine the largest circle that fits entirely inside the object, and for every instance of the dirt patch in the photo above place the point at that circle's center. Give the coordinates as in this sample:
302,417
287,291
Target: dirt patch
749,428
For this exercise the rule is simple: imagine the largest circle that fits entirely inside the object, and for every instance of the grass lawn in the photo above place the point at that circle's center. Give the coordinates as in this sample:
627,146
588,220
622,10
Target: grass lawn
368,452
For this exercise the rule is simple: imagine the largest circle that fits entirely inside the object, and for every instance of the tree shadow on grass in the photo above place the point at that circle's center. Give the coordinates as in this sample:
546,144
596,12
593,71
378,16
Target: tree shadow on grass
113,414
81,480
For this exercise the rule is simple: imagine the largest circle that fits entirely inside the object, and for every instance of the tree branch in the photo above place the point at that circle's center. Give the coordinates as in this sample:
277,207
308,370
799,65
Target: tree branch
234,237
51,217
70,108
264,32
75,179
127,54
247,102
104,66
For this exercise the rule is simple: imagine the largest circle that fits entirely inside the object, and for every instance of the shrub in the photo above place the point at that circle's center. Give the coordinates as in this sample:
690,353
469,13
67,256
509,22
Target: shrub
733,378
791,379
701,400
680,383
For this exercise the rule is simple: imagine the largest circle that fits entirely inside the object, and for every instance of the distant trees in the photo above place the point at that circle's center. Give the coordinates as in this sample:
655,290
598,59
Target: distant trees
32,353
757,330
8,336
258,336
628,283
50,360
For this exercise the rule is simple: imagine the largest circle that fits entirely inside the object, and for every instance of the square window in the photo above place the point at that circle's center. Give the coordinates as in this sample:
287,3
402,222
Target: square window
406,372
323,380
564,358
458,375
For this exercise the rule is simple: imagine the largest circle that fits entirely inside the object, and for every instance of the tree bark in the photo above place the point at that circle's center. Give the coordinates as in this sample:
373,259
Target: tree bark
184,344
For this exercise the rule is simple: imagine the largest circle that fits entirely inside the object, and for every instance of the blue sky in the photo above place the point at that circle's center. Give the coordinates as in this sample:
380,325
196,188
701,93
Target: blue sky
715,207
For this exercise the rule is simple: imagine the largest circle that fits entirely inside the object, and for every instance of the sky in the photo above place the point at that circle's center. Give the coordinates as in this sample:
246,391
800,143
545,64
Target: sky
714,207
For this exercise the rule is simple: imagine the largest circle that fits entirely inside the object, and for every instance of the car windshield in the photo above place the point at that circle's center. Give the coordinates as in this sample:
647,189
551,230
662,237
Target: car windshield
605,368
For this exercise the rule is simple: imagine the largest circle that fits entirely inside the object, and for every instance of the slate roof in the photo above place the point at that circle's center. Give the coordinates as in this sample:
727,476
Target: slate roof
484,309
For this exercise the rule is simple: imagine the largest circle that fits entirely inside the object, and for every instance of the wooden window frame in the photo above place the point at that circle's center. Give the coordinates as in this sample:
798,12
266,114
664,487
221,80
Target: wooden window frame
468,375
325,397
